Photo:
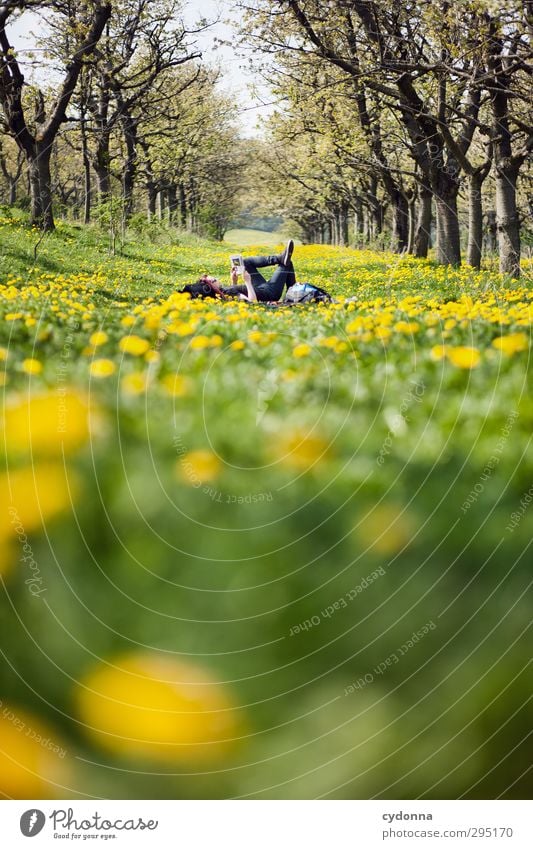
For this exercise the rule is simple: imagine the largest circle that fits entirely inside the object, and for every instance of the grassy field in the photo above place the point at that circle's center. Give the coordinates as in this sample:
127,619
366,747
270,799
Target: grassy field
245,237
261,553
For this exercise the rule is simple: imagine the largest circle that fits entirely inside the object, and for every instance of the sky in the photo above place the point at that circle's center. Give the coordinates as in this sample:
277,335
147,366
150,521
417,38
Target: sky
238,81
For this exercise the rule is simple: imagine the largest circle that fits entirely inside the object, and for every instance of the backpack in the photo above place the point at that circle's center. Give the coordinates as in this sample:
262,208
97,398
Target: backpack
306,293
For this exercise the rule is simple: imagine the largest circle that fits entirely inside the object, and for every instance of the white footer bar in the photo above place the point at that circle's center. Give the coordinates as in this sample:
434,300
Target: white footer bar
268,824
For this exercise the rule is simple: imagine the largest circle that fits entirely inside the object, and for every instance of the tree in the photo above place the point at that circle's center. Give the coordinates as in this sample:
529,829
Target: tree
508,61
86,22
11,173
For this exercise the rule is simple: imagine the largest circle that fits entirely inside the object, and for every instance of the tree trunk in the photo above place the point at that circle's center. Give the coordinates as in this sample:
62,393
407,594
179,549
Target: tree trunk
506,165
475,220
359,221
334,230
151,204
370,224
182,207
160,204
448,234
130,165
400,222
172,203
412,222
101,168
87,191
12,192
41,214
508,222
342,225
492,231
423,224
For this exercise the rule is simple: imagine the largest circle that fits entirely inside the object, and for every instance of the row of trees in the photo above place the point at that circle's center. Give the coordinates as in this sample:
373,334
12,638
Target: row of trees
399,109
136,117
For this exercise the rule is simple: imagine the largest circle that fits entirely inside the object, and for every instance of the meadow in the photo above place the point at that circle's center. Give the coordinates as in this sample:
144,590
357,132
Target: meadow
256,552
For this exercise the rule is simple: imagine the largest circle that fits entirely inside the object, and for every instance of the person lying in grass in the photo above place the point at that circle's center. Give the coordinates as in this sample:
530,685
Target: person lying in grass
255,287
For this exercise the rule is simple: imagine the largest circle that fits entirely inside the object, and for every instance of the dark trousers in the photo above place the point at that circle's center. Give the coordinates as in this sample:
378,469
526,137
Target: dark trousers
266,290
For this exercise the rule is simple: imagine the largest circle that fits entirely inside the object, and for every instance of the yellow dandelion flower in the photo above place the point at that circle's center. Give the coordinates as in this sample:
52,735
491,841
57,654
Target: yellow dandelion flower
289,374
134,384
406,327
302,350
197,467
102,368
383,333
512,343
464,357
182,328
386,529
36,494
31,366
438,352
301,450
176,385
200,342
47,424
98,338
144,705
134,345
28,769
237,345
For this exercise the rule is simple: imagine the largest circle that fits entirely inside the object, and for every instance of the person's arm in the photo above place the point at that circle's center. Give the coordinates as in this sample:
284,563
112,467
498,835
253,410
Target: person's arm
248,281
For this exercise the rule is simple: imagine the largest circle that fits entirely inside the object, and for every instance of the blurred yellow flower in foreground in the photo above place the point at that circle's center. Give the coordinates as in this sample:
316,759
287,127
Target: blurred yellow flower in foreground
102,368
134,384
512,343
47,423
407,327
200,342
300,450
438,352
98,338
386,529
134,345
31,366
176,385
149,706
32,495
32,757
200,466
464,357
302,350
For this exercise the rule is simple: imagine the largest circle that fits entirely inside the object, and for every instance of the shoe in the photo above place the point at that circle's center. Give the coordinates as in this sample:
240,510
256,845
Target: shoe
287,253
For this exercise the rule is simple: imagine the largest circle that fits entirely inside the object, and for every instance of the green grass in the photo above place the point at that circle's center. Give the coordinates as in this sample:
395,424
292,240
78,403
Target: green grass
349,478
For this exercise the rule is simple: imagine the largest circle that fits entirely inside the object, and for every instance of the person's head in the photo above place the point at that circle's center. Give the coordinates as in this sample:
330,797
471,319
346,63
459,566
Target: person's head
205,287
